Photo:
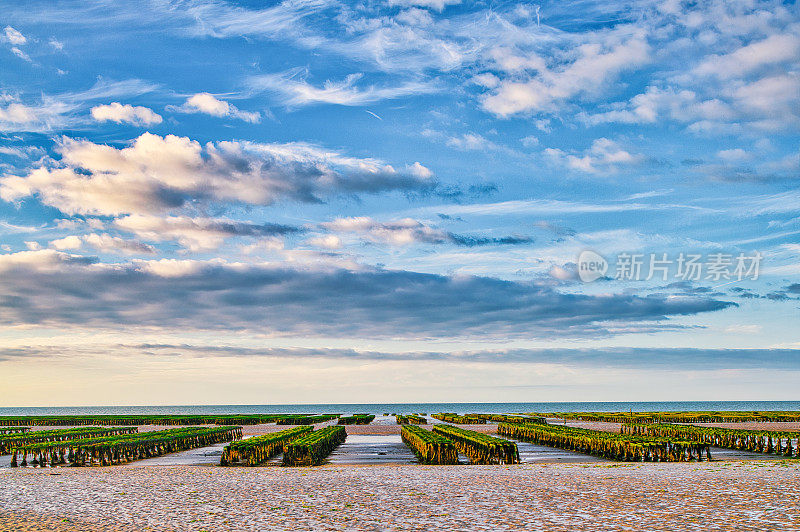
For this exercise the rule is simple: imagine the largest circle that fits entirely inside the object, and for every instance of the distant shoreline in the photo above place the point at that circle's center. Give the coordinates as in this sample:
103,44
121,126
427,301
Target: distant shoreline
458,407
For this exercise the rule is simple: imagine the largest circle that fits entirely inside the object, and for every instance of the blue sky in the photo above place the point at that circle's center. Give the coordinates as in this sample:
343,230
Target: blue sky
221,202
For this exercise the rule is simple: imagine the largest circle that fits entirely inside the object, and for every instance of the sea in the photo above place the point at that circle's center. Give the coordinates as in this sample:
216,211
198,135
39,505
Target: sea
401,408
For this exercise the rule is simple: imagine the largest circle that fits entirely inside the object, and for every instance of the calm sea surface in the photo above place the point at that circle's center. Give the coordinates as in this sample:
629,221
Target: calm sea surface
378,408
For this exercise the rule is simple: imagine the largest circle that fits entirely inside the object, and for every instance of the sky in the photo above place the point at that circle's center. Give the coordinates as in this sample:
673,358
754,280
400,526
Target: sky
217,202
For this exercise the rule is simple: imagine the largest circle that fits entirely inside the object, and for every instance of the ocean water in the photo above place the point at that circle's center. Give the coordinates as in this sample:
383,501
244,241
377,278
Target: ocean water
377,408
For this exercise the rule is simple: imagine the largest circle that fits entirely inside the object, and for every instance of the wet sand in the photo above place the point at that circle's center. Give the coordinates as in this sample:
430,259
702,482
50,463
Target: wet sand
553,497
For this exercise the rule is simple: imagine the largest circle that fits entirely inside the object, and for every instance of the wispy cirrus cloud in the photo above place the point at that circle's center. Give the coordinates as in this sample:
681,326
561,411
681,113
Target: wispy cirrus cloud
687,359
293,89
103,243
621,357
47,113
408,231
437,5
198,233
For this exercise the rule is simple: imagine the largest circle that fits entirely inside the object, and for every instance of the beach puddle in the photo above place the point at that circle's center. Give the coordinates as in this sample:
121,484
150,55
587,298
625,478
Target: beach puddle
200,456
372,449
530,453
718,453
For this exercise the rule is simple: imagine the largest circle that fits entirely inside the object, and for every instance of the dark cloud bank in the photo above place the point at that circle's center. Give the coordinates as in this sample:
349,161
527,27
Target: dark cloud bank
330,302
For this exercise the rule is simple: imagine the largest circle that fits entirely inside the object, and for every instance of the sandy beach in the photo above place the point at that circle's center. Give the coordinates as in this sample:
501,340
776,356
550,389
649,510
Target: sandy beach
602,496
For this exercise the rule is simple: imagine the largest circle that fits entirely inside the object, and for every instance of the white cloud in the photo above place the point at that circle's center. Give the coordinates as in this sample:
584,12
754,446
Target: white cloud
739,74
326,242
92,223
268,244
437,5
381,41
419,171
510,61
744,329
23,152
294,90
642,108
471,141
549,88
172,268
650,106
16,152
114,244
787,163
159,174
22,55
487,79
415,17
70,242
563,274
775,49
206,103
771,102
59,111
13,228
408,231
398,233
14,37
17,113
209,104
116,112
107,90
195,234
104,243
734,155
42,260
604,155
468,141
